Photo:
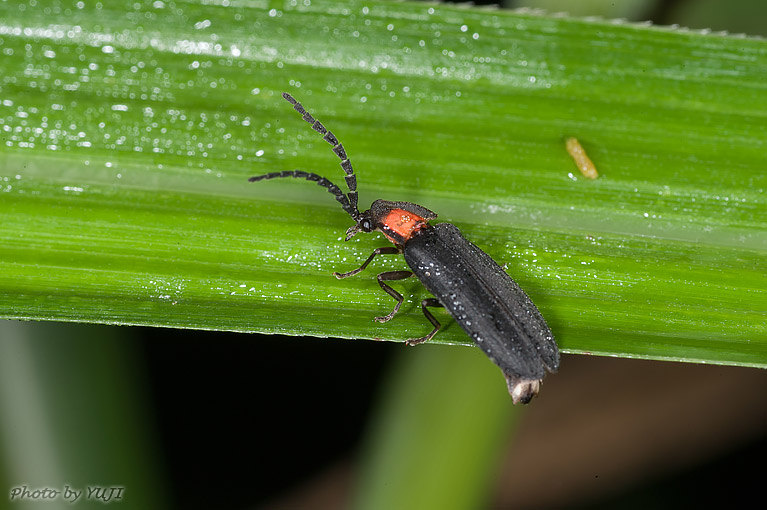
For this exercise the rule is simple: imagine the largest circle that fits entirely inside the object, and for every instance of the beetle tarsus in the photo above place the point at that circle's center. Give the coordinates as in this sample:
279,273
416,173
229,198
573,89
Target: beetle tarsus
392,276
434,322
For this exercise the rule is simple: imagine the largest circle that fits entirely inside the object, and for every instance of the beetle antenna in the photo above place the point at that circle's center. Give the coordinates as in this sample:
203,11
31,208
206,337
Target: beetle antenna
309,176
338,148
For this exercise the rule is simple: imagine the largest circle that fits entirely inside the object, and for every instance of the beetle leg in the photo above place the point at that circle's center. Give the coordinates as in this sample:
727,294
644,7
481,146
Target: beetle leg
386,250
433,303
390,276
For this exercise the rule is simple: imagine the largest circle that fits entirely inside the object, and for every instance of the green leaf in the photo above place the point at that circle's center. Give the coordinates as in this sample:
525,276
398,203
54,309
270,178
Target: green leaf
128,131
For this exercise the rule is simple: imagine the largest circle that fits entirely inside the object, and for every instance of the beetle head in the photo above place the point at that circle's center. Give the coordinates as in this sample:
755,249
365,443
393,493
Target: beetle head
397,220
364,224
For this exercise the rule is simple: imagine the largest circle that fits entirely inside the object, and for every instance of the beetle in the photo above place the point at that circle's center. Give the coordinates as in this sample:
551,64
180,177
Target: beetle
490,307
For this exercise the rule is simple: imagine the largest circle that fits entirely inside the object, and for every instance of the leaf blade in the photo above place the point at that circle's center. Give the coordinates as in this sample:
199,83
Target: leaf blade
125,199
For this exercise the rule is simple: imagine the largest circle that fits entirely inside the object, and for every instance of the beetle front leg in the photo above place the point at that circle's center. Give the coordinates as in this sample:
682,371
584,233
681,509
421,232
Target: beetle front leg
434,322
386,250
391,276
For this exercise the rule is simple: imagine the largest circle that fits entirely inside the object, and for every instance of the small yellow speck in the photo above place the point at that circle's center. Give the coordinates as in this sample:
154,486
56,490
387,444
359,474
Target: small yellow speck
582,161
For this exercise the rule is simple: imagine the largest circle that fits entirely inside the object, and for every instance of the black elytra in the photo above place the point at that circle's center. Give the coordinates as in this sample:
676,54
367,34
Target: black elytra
493,310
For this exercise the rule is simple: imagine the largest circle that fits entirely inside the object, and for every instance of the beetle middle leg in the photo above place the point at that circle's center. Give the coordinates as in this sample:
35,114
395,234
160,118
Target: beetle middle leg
386,250
434,322
392,276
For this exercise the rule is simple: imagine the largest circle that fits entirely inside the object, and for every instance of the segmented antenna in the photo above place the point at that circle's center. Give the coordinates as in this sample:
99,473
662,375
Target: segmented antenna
309,176
338,148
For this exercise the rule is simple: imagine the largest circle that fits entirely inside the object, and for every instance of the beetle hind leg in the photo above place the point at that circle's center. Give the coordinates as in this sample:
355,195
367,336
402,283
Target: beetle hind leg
434,322
392,276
